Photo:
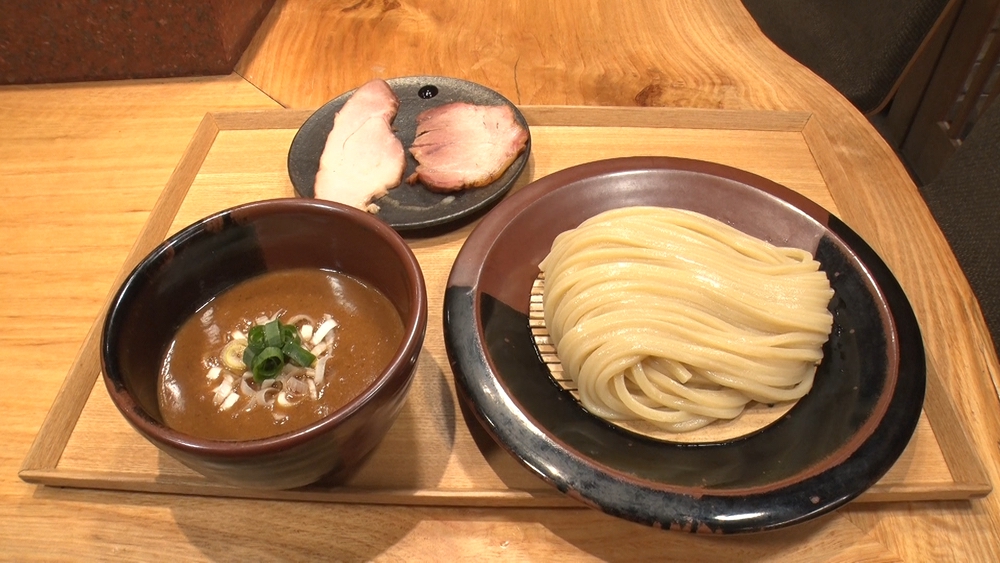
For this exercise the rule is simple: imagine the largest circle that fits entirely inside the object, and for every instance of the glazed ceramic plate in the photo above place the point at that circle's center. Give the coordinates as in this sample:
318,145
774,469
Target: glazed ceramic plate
832,445
409,207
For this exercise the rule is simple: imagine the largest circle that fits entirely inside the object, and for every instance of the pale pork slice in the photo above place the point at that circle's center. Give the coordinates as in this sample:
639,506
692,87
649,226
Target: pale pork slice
362,158
462,145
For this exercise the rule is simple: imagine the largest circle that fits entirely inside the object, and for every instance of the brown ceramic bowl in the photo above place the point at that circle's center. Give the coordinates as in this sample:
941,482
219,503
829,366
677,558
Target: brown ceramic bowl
835,443
217,252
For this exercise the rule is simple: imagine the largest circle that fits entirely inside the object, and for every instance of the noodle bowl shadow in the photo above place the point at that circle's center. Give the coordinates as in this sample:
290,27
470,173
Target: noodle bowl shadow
216,253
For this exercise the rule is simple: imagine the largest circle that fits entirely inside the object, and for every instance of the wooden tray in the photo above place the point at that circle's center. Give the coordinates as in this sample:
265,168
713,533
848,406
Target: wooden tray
434,455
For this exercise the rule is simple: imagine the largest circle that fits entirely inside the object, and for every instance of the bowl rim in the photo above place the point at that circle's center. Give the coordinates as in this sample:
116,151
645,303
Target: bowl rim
414,327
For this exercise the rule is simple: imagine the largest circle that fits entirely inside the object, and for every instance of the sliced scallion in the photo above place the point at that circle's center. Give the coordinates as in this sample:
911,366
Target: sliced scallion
255,338
248,356
272,333
268,363
290,334
270,346
298,354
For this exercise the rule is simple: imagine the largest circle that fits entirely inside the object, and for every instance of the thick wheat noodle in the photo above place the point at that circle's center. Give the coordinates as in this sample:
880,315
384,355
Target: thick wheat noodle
730,298
631,295
770,365
669,316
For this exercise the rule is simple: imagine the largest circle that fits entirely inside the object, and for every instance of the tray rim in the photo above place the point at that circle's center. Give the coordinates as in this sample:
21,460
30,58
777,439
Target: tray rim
41,464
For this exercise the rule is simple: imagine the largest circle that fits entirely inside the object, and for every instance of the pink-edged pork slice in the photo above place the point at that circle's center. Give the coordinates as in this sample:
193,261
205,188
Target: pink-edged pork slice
462,145
362,158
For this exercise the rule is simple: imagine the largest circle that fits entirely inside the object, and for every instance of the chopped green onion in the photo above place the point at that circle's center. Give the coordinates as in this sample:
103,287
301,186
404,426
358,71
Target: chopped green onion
290,334
255,339
248,355
268,363
298,354
272,333
269,347
231,355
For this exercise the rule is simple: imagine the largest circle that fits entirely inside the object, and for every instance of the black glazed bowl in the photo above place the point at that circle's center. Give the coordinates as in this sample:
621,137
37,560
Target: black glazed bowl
837,441
219,251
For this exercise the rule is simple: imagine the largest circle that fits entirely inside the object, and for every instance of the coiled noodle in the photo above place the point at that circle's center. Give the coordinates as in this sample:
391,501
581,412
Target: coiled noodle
675,318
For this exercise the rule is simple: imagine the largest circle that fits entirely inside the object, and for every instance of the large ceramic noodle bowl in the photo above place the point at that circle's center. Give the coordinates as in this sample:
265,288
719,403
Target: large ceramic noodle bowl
823,391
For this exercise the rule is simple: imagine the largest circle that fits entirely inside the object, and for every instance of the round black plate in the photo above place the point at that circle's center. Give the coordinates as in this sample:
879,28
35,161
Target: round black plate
407,207
830,447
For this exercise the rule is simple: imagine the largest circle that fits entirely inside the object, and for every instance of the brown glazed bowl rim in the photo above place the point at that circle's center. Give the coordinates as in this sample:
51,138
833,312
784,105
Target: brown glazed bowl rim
399,367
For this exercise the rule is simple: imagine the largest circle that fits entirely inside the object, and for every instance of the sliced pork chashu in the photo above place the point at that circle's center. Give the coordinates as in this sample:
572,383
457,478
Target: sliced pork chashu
461,145
362,158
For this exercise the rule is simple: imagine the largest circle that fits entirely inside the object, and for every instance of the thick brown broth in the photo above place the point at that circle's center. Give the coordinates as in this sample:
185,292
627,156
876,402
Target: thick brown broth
368,334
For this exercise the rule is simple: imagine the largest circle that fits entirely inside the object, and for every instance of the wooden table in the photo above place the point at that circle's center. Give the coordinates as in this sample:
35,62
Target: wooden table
83,165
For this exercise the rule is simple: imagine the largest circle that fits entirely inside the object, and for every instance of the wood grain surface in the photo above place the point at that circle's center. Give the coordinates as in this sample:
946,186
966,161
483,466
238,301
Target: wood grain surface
81,166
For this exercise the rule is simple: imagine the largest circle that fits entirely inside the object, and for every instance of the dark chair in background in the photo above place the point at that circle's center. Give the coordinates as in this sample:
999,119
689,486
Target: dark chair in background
964,81
922,70
861,47
965,201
